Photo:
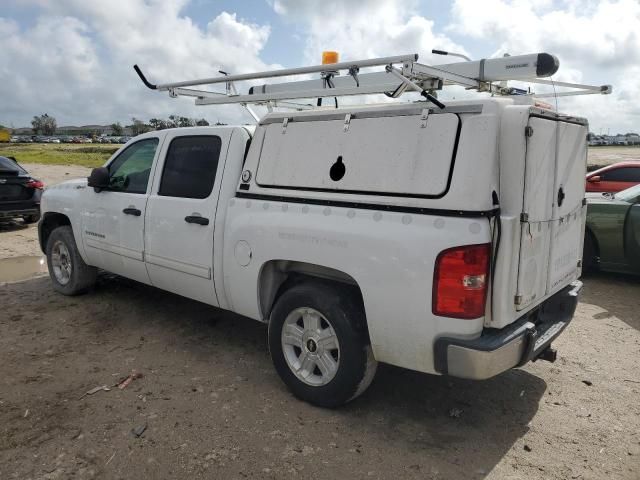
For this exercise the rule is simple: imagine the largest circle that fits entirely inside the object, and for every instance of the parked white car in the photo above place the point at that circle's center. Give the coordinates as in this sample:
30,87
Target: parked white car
446,241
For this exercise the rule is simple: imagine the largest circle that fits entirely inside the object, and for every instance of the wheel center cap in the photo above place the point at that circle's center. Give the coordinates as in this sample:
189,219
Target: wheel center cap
312,346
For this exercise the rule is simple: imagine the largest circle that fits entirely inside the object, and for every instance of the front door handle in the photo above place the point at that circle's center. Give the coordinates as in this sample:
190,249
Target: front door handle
196,219
132,211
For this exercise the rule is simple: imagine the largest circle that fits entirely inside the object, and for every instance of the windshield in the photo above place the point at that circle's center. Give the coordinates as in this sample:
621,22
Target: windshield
629,195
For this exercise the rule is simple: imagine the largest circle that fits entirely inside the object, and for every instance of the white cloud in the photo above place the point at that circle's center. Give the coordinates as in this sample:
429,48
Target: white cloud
74,60
366,29
78,67
363,29
597,42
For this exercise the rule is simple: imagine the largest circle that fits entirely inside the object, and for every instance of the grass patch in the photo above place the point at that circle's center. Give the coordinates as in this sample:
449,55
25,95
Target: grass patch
59,154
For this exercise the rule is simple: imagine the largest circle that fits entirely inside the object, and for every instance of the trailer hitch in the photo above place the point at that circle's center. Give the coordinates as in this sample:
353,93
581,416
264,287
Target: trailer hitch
549,354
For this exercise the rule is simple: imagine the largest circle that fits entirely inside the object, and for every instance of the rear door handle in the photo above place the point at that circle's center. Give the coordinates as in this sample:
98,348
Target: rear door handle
196,219
132,211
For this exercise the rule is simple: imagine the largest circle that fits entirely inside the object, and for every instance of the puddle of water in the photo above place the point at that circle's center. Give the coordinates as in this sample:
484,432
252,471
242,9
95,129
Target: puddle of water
22,268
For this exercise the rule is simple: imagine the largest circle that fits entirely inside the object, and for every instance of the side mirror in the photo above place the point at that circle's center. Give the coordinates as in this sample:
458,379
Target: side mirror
99,179
594,179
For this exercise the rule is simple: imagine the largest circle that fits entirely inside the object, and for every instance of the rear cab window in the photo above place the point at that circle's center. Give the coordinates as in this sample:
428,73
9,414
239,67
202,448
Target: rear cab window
190,166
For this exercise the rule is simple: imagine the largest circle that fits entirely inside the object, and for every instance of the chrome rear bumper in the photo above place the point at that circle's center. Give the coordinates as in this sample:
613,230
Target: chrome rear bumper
498,350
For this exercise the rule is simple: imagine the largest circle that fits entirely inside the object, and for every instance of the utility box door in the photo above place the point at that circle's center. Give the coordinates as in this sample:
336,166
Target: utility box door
383,155
537,210
567,227
552,225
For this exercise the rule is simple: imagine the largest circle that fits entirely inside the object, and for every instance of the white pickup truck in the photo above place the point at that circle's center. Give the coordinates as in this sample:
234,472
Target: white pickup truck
446,241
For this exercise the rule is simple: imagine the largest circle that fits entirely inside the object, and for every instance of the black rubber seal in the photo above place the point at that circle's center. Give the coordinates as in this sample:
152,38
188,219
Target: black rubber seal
546,65
144,79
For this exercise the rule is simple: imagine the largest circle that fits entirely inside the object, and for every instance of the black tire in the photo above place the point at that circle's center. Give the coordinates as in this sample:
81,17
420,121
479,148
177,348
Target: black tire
356,366
81,277
31,218
589,260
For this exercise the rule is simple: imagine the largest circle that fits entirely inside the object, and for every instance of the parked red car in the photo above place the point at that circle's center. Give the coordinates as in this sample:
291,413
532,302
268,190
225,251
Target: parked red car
614,178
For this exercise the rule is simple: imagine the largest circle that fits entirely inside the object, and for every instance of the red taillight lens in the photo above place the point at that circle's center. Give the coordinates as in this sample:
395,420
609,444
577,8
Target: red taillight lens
460,281
35,184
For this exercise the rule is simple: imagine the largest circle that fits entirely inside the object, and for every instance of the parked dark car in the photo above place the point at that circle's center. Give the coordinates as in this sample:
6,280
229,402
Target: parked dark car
612,235
19,192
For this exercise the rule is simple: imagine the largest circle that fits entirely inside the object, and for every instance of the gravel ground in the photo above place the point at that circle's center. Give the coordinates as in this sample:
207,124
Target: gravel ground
213,406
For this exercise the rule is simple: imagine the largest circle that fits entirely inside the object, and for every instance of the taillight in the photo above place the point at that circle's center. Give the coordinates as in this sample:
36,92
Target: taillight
35,184
460,281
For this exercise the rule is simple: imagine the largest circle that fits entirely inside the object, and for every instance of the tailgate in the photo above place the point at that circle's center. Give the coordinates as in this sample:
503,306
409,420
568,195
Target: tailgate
552,220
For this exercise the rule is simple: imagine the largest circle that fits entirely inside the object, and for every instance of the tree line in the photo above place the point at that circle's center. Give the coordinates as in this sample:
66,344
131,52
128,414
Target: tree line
46,124
174,121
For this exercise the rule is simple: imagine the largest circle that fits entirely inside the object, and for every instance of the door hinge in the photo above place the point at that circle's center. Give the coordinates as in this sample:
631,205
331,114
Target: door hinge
528,131
424,117
285,122
347,122
524,217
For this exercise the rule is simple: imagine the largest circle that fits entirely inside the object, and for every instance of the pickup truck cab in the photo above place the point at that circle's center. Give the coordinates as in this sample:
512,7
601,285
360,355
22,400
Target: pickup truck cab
446,241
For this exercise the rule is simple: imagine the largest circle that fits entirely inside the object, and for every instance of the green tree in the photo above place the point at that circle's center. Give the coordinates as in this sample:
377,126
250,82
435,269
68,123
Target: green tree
186,122
44,123
139,126
202,123
117,129
36,125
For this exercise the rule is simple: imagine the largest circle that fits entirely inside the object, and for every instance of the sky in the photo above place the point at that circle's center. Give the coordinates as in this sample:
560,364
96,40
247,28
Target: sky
73,58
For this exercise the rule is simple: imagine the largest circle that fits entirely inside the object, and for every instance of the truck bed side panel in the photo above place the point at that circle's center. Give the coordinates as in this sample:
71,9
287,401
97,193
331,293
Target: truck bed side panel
389,254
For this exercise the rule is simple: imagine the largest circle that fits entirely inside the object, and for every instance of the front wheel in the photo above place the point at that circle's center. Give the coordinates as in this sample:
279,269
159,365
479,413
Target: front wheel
69,274
319,346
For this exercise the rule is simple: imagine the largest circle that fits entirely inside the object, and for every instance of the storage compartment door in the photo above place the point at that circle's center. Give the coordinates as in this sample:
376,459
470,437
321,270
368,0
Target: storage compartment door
568,193
381,155
537,210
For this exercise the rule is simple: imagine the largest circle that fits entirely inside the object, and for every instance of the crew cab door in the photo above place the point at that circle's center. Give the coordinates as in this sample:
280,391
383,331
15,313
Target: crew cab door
113,219
181,213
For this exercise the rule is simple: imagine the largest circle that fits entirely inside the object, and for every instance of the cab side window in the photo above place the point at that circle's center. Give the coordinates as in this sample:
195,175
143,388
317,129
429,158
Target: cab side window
190,167
129,172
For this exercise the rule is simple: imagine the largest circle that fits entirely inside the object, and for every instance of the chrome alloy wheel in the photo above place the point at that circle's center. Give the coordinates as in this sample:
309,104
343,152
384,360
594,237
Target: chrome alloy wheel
61,262
310,346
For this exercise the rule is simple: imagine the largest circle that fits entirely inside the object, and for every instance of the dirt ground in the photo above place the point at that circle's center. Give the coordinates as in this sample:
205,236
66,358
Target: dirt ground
15,239
609,155
213,406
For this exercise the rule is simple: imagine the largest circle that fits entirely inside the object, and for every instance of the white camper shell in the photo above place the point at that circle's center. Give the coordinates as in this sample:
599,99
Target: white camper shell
445,239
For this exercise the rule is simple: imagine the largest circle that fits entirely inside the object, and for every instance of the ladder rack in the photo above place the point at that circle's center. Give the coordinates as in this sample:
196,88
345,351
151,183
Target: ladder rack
401,74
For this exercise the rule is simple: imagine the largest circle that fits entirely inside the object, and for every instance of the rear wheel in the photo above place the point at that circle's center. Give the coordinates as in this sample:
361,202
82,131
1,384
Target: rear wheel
69,274
319,345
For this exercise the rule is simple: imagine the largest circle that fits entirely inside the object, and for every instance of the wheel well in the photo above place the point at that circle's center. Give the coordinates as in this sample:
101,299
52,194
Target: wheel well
276,276
49,222
594,241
